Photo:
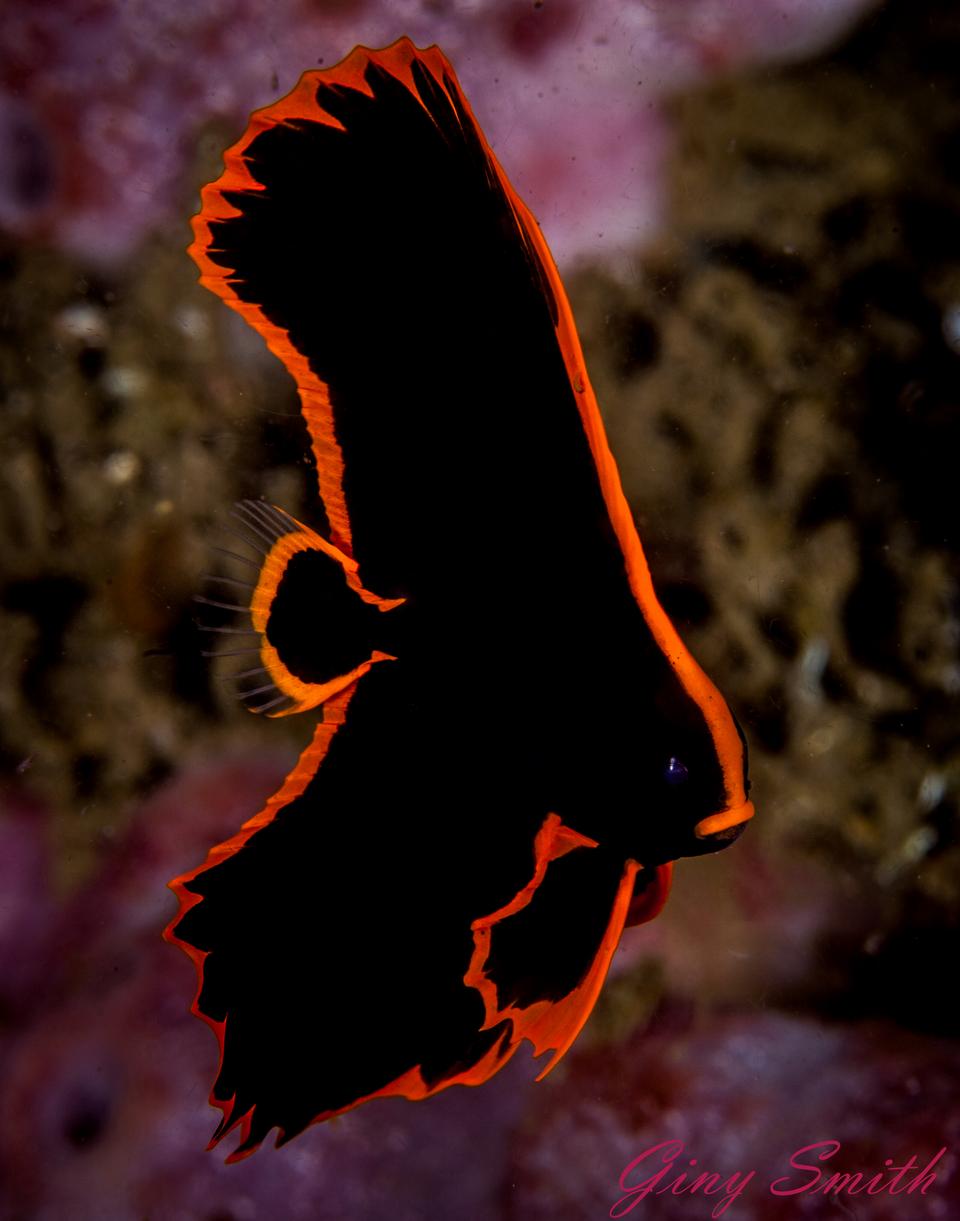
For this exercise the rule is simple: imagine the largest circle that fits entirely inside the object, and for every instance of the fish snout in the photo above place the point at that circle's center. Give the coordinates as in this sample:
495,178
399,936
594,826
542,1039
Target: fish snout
719,830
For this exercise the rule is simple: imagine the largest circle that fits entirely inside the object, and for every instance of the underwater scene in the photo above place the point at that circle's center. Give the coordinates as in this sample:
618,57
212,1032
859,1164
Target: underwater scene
390,485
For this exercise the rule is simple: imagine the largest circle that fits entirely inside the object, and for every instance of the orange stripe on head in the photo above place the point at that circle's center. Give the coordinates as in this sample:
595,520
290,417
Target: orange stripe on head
694,681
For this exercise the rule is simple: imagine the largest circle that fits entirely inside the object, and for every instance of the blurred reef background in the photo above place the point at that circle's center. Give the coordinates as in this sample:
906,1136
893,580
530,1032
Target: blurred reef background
756,207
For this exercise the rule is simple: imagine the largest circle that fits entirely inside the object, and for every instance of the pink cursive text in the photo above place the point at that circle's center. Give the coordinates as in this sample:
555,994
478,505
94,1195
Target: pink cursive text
666,1169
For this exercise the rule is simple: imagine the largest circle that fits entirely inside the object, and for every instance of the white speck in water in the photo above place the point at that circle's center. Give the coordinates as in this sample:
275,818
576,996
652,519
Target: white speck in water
121,467
822,740
191,322
910,853
932,788
951,326
918,844
83,323
124,382
813,662
950,680
873,943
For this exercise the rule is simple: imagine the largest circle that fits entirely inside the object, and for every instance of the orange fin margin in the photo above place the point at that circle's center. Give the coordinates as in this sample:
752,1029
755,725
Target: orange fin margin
410,1084
549,1025
306,695
546,1024
292,787
301,103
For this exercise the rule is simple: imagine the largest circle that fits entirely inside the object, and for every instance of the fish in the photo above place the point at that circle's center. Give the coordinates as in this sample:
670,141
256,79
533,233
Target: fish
513,744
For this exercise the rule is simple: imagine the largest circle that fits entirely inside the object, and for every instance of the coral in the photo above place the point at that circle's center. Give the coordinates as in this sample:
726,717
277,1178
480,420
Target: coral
741,1092
103,1115
778,369
101,103
27,908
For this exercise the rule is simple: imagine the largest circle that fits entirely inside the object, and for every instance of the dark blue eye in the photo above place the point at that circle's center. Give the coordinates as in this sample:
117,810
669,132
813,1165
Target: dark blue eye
676,772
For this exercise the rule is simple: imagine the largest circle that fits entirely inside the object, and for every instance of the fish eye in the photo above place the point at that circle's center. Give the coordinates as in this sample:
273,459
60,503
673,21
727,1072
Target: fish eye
675,772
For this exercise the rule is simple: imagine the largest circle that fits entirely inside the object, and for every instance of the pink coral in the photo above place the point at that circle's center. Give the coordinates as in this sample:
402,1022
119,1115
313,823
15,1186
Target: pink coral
742,1092
103,1114
101,101
26,902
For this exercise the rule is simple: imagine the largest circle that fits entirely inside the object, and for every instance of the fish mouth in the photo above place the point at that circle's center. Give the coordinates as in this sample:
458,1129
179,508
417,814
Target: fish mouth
723,828
651,887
